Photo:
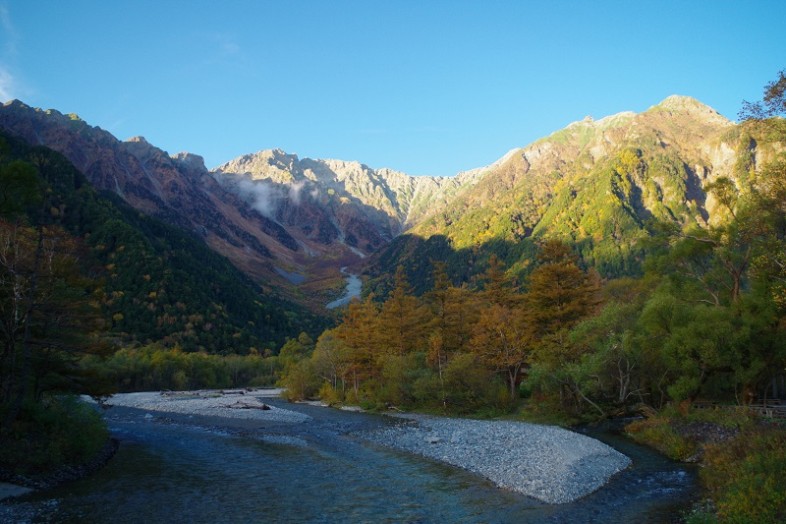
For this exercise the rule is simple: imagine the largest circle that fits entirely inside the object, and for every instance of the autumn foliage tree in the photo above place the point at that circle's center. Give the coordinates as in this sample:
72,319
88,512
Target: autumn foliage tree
559,295
502,337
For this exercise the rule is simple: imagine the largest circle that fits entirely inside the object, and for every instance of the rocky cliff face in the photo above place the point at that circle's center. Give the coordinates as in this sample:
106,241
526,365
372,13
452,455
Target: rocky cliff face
177,189
334,201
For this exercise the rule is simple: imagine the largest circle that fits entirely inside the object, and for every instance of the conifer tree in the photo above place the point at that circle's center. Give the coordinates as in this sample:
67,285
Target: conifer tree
502,340
559,293
359,331
401,320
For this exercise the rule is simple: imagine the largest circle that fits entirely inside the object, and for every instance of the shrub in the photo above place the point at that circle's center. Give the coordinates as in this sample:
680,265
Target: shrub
330,395
659,433
59,431
745,477
301,382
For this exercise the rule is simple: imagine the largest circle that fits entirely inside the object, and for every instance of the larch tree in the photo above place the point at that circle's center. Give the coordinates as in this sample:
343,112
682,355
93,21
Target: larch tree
502,341
359,332
559,295
453,312
402,321
502,336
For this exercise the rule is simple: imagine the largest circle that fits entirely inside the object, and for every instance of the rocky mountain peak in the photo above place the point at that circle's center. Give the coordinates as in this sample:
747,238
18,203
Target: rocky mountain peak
190,161
686,105
16,104
273,164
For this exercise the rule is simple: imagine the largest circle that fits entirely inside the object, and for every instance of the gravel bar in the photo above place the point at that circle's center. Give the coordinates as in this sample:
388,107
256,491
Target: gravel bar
548,463
236,404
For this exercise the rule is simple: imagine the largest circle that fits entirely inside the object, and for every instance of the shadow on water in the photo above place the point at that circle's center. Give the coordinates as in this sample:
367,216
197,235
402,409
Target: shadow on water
183,469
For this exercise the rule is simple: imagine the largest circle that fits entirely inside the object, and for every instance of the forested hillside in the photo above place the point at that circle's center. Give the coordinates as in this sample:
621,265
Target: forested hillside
704,318
603,186
153,282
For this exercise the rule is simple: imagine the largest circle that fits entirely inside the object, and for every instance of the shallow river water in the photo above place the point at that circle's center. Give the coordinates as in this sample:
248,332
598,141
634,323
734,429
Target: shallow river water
181,469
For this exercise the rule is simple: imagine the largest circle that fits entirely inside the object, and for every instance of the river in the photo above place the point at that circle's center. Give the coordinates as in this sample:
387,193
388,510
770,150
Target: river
354,286
185,469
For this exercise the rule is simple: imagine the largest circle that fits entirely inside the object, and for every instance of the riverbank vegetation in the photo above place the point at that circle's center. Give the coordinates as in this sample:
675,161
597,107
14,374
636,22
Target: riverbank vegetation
742,458
705,321
154,368
57,431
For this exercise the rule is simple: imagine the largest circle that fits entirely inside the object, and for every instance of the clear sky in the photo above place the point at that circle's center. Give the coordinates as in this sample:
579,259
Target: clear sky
427,87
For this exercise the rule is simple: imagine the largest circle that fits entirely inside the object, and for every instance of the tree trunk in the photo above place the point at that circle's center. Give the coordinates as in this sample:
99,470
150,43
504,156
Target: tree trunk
23,383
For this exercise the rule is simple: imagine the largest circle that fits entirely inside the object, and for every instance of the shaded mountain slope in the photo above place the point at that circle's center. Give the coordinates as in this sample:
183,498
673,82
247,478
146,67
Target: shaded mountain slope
158,282
176,189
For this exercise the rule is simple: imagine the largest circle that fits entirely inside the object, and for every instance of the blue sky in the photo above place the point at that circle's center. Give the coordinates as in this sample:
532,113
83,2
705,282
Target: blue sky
425,87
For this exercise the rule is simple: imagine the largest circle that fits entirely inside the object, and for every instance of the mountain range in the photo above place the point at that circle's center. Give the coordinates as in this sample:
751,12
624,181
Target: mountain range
291,224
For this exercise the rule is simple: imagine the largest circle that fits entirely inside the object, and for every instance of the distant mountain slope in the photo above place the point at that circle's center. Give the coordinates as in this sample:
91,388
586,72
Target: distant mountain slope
334,200
292,223
177,189
289,224
597,184
159,283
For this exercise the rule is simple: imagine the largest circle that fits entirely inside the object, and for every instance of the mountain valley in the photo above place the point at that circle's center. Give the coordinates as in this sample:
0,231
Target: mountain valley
291,224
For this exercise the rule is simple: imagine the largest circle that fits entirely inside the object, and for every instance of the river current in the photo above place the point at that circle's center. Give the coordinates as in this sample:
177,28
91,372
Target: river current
182,469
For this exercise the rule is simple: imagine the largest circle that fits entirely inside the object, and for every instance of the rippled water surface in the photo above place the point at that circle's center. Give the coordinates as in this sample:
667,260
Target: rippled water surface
168,470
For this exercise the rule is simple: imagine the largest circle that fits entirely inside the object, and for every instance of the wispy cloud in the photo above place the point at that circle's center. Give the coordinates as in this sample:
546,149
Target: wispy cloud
8,52
226,45
10,37
230,48
7,88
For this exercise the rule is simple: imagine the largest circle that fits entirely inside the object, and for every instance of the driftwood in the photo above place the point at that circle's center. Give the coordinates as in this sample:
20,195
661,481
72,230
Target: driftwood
240,404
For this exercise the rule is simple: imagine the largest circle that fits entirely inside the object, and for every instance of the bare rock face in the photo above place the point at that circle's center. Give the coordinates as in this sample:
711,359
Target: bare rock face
176,189
332,201
191,162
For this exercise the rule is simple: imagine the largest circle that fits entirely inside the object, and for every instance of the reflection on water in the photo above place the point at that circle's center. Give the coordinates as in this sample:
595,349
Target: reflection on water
165,472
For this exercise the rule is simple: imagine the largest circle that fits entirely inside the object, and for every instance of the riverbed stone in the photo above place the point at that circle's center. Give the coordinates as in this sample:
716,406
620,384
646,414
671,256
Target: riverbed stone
551,464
